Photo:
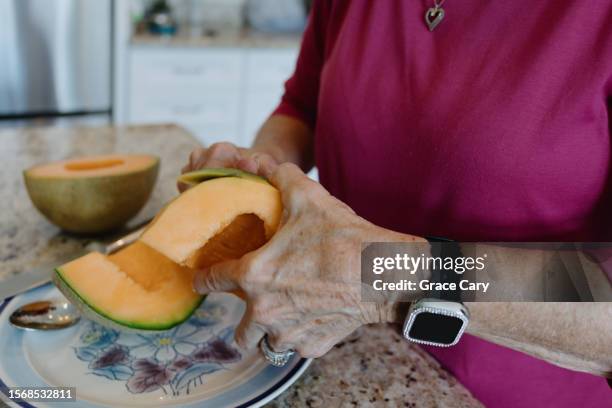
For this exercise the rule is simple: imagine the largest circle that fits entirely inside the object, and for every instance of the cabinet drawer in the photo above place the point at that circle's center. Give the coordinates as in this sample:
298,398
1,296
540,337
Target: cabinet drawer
210,108
209,68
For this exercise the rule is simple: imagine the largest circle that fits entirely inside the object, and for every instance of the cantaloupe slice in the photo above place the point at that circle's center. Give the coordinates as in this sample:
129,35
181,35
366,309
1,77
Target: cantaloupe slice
245,203
137,287
92,194
148,285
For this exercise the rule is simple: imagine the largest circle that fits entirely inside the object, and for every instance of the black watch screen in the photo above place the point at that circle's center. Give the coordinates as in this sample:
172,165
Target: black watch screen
434,327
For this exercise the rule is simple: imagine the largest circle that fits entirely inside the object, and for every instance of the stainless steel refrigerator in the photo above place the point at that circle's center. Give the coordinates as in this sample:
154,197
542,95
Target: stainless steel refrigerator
55,62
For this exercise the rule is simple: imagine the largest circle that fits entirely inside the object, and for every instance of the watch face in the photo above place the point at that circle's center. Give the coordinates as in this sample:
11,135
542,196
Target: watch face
436,328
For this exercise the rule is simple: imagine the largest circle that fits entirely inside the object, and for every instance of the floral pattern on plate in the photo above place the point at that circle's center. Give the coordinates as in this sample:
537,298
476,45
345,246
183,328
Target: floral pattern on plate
175,361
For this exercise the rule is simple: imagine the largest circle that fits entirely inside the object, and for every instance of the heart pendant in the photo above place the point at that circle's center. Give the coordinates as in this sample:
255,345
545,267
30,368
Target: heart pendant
433,17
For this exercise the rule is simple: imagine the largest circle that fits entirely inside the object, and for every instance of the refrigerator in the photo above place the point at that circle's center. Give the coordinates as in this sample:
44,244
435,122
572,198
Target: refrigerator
55,62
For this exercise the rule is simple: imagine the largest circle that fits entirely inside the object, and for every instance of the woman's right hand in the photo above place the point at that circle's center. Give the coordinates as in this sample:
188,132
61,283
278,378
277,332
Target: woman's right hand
226,154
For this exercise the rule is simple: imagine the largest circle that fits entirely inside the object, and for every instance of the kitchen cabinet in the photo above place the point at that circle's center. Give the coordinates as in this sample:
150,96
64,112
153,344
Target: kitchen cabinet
266,70
218,93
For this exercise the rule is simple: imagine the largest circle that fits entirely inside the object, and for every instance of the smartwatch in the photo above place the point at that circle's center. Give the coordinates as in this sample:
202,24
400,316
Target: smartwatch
435,322
441,319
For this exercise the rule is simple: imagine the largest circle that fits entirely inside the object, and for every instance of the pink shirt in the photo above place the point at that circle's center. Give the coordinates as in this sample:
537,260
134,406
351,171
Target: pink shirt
493,127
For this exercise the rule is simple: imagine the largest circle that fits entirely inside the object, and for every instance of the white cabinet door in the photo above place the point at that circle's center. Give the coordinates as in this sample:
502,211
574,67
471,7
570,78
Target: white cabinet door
198,88
269,67
209,133
183,105
217,93
265,76
258,106
206,68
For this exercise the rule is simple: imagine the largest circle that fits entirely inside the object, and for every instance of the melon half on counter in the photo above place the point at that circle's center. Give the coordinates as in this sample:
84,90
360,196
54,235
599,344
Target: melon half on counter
92,194
148,284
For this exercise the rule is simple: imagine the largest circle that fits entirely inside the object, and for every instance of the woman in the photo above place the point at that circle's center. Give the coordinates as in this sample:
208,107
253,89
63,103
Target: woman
492,127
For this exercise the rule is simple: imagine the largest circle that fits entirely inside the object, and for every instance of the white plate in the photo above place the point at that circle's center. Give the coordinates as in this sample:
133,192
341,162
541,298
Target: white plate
195,364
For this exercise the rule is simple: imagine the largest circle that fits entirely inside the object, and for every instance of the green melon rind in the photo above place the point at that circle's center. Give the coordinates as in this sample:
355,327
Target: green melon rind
196,177
92,313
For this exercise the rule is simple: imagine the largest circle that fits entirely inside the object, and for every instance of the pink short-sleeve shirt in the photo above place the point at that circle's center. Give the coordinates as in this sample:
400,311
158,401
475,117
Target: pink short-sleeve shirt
493,127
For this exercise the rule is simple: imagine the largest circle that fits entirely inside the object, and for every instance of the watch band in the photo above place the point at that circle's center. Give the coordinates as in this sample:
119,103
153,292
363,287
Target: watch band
445,248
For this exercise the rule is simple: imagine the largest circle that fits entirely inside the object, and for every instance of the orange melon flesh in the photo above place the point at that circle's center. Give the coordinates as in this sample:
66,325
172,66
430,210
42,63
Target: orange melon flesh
185,230
137,287
245,234
93,166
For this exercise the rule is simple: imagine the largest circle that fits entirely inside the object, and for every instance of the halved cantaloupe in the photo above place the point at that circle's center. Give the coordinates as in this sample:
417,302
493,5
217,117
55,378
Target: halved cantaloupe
137,287
92,194
148,285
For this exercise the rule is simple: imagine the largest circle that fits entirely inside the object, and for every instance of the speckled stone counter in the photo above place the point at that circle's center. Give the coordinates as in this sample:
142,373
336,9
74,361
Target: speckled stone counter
374,367
243,39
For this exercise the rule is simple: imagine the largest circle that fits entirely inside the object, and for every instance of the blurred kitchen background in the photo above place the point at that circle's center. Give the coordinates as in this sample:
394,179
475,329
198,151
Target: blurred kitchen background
216,67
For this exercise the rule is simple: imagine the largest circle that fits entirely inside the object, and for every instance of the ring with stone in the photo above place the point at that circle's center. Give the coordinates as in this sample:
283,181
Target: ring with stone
276,358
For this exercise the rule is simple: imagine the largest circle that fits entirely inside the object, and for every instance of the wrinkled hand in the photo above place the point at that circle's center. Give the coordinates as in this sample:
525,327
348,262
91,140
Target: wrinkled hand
226,154
303,287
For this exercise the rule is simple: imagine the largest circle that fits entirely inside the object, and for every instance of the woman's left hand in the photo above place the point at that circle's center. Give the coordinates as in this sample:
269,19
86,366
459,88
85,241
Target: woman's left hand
303,287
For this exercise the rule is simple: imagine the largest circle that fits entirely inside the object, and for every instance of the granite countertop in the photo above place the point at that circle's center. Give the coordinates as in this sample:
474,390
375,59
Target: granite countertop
239,39
374,367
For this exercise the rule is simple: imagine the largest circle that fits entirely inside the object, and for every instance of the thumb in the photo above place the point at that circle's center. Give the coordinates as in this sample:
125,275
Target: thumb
220,277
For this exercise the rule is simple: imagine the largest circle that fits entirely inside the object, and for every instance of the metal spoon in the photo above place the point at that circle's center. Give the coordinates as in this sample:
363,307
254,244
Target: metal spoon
58,314
52,314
